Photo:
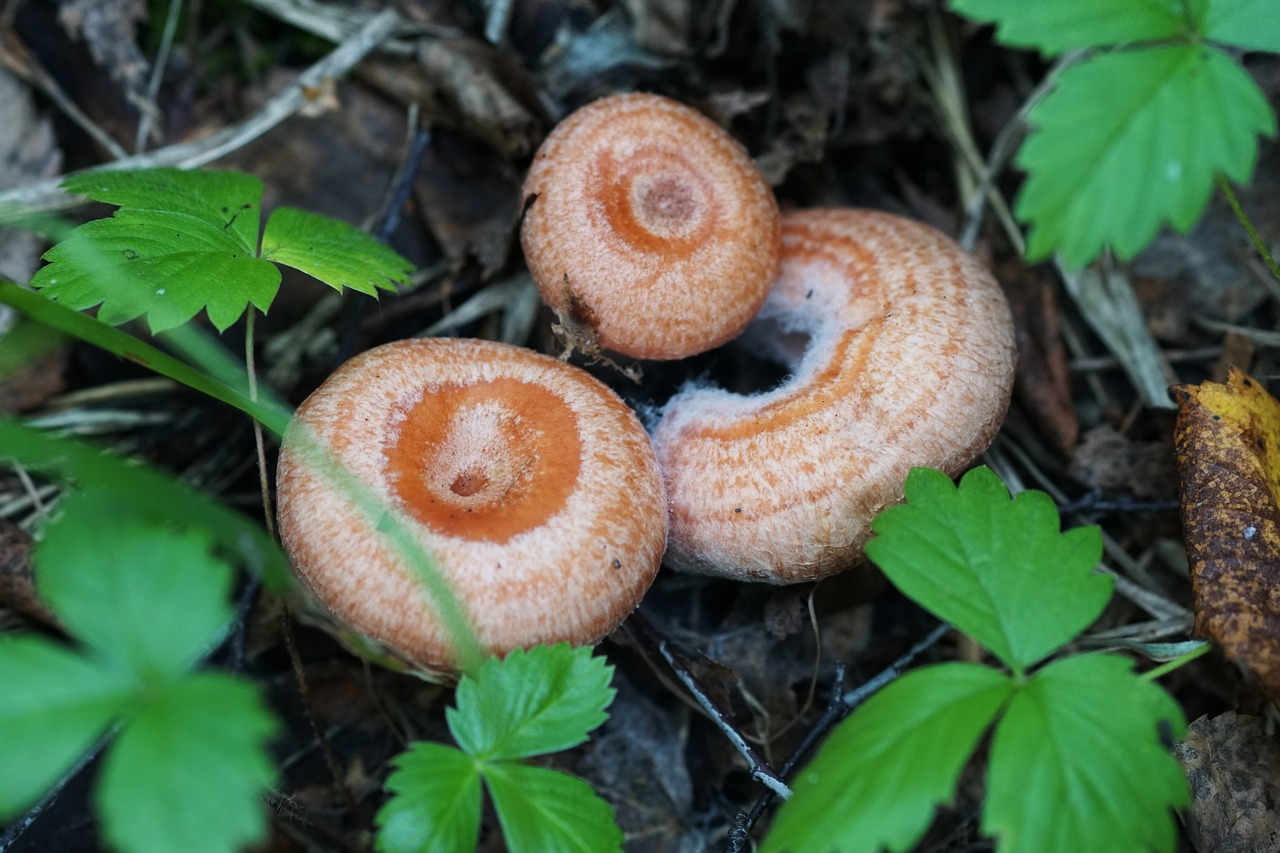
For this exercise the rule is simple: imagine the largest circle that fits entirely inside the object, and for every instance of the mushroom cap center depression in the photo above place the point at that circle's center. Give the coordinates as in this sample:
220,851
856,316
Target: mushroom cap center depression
657,202
485,461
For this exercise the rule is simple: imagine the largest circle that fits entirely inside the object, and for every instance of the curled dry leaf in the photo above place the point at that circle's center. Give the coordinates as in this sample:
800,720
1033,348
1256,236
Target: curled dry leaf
478,91
1228,443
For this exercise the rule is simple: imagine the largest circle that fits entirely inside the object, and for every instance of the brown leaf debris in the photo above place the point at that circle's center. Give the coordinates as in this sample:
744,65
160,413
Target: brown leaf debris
1228,446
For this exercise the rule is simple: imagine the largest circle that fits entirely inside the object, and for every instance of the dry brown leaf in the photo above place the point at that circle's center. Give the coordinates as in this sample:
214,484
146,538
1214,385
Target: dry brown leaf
1233,765
1043,386
480,92
108,28
17,581
1111,462
470,202
1228,446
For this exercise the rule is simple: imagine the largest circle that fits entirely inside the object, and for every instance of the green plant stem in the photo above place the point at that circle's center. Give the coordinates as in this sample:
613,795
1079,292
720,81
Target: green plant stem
1258,242
203,349
85,328
260,446
1169,666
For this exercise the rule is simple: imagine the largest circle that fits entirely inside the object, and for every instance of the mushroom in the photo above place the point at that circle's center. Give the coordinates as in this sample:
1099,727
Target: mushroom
532,485
648,228
909,362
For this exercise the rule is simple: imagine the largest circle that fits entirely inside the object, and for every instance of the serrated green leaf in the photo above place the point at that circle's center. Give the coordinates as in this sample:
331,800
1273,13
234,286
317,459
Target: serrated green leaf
545,810
181,242
153,598
1057,26
1078,763
543,700
997,569
189,771
877,780
435,803
1250,24
137,264
338,254
227,202
54,705
1128,140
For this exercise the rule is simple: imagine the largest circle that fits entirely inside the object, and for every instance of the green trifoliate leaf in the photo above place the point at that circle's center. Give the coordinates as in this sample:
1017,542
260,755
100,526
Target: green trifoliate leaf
542,809
54,705
1057,26
332,251
1078,762
997,569
181,242
877,780
189,771
435,802
1250,24
543,700
139,593
1129,140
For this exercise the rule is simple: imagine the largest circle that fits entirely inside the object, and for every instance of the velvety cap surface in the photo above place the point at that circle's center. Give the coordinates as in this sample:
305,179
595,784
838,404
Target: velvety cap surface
649,225
909,362
531,483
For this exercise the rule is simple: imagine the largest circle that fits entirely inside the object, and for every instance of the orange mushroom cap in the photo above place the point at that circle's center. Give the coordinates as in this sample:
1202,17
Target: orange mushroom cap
909,362
647,224
532,485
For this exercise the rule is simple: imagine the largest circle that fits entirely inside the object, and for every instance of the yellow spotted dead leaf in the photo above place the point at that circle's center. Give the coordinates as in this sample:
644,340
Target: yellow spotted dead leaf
1228,443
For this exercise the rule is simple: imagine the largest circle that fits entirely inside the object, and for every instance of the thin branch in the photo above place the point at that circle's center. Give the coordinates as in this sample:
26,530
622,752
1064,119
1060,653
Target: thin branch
322,739
147,117
48,195
760,769
838,707
15,56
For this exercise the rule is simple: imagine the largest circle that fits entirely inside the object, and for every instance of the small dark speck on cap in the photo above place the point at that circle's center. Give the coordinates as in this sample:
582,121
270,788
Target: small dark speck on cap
617,564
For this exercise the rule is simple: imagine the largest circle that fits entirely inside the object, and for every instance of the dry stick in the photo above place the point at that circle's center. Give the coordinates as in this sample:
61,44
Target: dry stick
838,707
760,769
304,690
147,116
1001,150
48,195
15,56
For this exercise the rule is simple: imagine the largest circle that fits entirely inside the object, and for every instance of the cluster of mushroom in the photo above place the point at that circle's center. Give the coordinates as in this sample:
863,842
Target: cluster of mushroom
545,502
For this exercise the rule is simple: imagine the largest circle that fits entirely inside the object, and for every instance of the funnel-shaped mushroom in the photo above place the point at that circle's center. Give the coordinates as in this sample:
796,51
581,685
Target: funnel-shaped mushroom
532,485
909,362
